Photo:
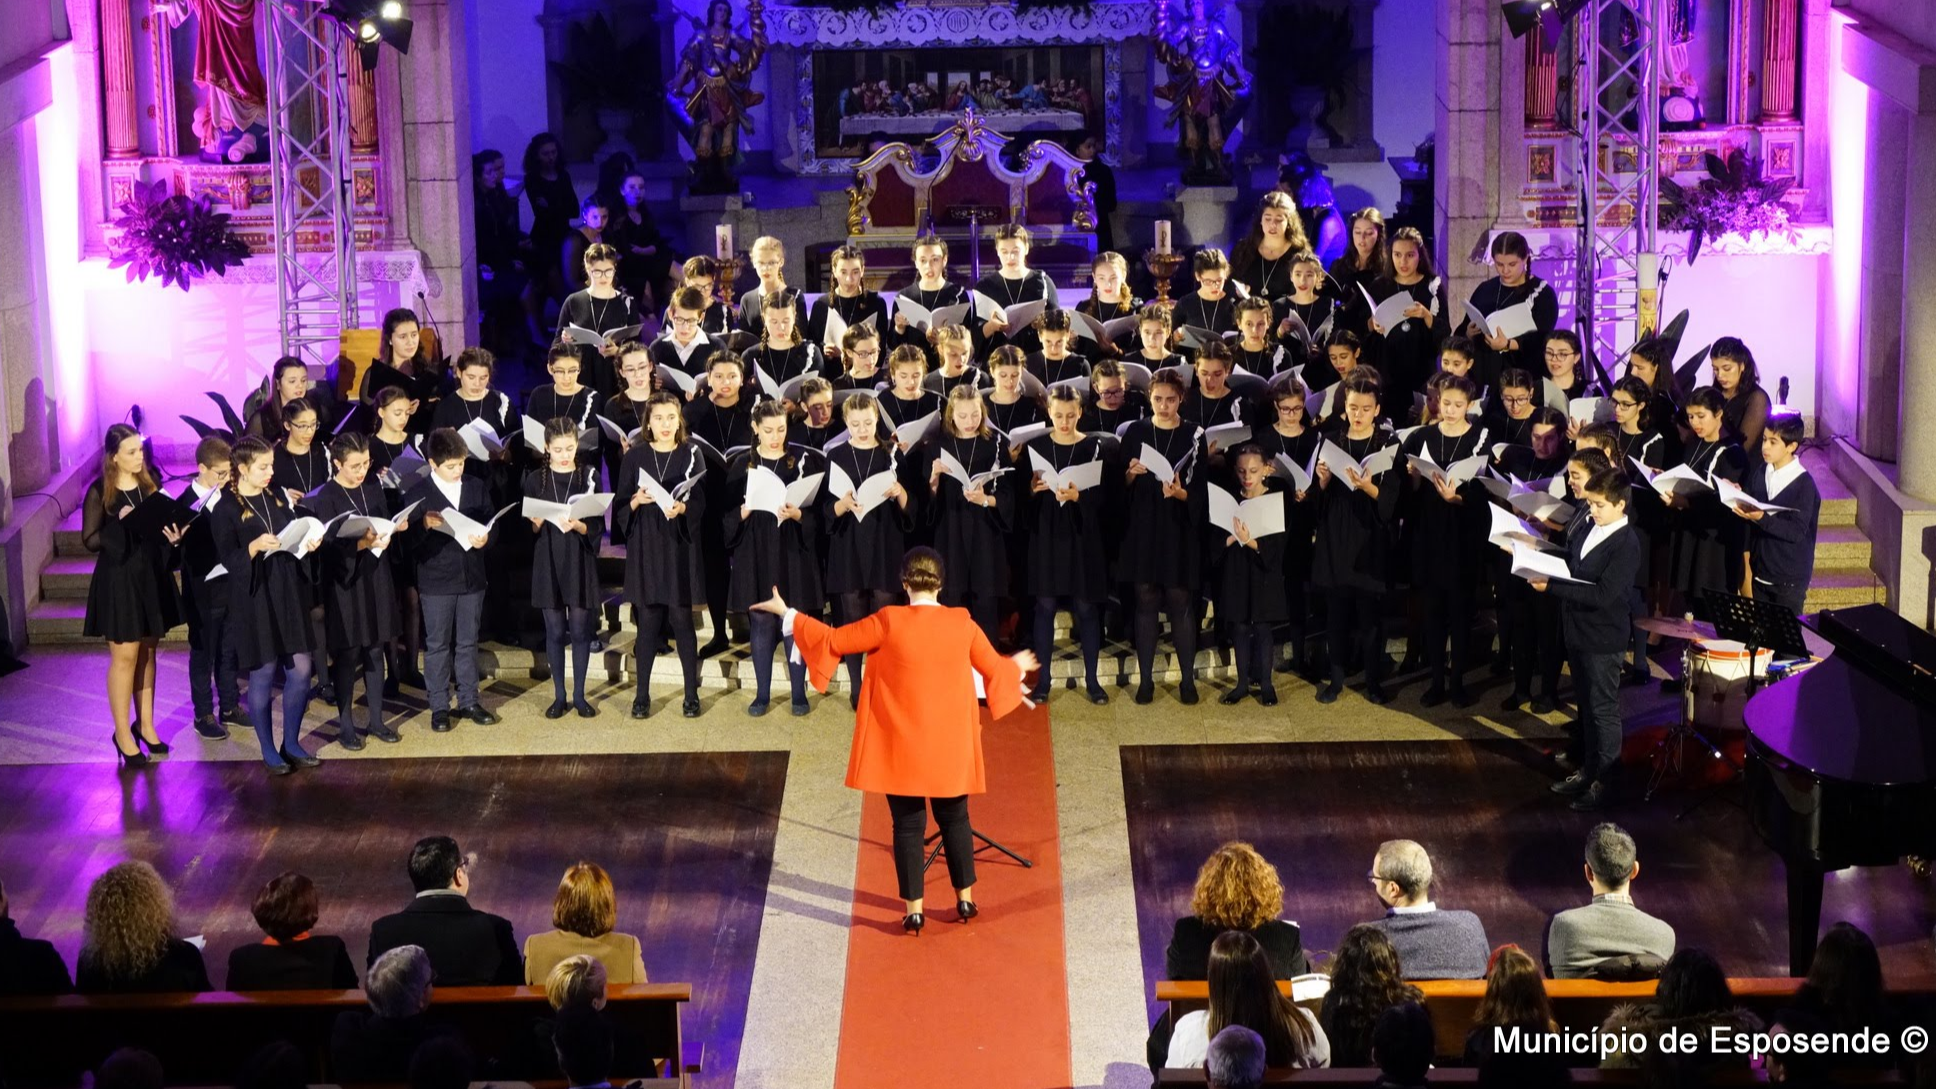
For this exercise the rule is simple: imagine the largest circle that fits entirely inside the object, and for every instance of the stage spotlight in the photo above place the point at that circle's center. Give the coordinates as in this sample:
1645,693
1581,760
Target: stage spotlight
391,10
367,33
1550,15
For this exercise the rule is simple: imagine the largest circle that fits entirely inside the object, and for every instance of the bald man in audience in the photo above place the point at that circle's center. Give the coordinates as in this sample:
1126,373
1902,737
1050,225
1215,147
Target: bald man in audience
1608,938
1431,943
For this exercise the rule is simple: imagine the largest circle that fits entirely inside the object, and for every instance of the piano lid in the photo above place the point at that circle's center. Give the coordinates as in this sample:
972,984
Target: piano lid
1864,715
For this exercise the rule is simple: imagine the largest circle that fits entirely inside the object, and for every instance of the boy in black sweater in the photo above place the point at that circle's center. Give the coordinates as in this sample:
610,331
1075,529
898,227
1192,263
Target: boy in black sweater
1781,546
1594,619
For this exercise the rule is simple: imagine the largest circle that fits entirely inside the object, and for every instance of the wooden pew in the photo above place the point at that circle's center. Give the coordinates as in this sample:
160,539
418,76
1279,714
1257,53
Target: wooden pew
1577,1003
202,1039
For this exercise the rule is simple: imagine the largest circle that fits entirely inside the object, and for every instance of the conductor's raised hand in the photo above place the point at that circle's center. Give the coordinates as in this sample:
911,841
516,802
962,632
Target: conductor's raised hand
1024,660
776,604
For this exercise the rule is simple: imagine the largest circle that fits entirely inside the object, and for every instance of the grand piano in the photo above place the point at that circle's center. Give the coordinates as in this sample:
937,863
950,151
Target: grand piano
1842,760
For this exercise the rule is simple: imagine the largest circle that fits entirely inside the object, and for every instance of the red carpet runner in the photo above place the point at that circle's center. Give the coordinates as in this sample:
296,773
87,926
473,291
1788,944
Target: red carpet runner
981,1004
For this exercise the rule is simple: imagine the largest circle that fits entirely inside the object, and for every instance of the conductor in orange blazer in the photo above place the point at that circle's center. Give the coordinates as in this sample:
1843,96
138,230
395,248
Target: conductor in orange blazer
917,734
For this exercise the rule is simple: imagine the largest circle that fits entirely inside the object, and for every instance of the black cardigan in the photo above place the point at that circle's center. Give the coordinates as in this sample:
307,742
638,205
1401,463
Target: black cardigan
180,969
1594,617
1188,955
320,963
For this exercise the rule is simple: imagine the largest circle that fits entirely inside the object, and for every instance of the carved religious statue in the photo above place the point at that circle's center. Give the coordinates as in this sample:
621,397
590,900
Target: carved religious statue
234,102
711,96
1207,91
1680,88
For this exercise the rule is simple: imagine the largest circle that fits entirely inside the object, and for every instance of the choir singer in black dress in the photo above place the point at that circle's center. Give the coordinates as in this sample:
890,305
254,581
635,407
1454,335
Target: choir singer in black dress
359,597
665,576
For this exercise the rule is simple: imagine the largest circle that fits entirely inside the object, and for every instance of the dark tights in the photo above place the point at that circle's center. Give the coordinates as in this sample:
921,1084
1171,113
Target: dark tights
1180,606
1355,619
1447,616
348,661
295,700
573,625
1088,617
766,636
1253,647
981,609
857,605
652,621
409,642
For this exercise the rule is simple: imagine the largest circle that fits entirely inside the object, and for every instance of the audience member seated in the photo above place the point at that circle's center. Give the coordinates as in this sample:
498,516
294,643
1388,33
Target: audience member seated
1431,944
584,1045
1243,991
1609,938
1515,998
442,1062
129,1068
584,912
579,982
290,958
1366,980
468,947
376,1045
1401,1046
1692,996
28,966
128,940
1236,890
278,1065
1844,990
1236,1059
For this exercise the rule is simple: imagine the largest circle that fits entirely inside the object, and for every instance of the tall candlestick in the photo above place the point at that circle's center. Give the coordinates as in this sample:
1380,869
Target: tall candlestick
1162,236
723,242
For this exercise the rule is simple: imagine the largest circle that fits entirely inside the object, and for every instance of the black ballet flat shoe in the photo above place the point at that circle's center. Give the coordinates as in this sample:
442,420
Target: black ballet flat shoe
1329,693
965,910
715,645
1187,695
557,709
210,727
136,759
913,923
301,759
1433,696
1376,695
758,708
440,722
801,708
690,708
324,694
350,740
585,710
1461,698
1235,695
279,770
1145,693
1268,697
479,715
641,708
1543,705
1097,696
385,733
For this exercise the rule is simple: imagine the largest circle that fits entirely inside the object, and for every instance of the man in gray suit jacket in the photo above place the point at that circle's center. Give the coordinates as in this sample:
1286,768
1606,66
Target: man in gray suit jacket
1583,941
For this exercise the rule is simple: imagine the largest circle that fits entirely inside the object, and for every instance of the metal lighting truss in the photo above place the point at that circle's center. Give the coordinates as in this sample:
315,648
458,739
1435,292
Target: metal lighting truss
1617,97
309,161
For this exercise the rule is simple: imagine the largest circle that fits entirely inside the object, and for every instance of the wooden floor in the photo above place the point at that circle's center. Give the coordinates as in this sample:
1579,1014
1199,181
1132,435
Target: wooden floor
688,839
1501,846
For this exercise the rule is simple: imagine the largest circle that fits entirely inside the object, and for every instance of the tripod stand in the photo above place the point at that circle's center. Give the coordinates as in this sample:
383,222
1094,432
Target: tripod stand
982,843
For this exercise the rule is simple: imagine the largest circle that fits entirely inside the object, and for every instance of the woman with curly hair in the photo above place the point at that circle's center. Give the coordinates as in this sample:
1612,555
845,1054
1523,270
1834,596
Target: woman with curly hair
1365,982
128,940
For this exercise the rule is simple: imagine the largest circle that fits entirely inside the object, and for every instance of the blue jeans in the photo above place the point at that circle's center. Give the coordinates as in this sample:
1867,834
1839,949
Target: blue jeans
295,702
450,640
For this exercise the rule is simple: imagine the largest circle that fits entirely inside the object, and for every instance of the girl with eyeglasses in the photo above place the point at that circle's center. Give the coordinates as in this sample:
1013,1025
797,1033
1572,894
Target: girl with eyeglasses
602,308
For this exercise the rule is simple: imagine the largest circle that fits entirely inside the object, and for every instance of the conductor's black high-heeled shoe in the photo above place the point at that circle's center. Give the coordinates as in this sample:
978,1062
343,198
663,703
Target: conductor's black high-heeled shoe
966,910
913,923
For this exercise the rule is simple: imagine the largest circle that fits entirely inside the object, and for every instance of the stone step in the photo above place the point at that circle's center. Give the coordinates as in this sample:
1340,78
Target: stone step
1841,547
66,577
1837,512
1841,587
67,537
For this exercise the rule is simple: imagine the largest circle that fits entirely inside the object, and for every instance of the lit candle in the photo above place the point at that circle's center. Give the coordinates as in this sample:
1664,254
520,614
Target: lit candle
1163,236
723,242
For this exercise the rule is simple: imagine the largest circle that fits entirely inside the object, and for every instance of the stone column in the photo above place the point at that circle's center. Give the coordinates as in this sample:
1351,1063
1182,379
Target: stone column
1916,461
1872,418
437,144
117,80
1468,122
1778,68
363,127
1542,81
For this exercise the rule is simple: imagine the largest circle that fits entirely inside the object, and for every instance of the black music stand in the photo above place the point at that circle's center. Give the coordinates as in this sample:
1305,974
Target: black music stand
933,843
1758,626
